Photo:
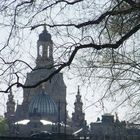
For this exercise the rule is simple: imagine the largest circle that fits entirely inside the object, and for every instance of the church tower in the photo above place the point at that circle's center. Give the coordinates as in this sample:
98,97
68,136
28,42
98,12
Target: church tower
44,50
55,87
10,106
78,117
10,114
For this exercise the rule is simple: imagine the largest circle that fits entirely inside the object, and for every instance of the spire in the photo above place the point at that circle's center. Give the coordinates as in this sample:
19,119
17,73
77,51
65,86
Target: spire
10,96
10,114
78,96
78,116
45,29
10,105
78,92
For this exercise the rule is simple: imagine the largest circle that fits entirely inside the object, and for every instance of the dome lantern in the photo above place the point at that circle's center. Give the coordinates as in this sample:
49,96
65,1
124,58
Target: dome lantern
45,36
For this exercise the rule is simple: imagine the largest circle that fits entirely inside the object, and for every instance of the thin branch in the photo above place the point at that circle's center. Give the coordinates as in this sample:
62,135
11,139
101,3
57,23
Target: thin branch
92,22
17,60
130,2
78,47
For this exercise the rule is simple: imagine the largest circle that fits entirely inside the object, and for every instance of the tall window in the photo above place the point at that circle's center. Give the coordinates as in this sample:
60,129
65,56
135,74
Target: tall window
48,51
40,50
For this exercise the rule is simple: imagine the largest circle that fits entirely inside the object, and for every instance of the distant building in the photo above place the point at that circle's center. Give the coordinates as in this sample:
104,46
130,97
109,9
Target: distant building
45,102
110,129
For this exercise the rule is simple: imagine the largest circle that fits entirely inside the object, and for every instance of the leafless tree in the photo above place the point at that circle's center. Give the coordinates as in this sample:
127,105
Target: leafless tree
90,36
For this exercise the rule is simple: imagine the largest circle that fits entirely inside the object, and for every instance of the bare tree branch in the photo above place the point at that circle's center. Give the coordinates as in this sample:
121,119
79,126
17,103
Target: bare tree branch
78,47
92,22
130,2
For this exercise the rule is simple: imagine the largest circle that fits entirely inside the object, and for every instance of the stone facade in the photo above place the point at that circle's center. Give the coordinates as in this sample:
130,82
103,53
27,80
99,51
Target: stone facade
108,128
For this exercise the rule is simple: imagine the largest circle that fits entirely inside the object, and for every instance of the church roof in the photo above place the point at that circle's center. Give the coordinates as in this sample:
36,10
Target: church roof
45,36
43,105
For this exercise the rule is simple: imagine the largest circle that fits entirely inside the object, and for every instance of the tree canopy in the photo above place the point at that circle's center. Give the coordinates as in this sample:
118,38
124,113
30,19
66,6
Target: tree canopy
3,127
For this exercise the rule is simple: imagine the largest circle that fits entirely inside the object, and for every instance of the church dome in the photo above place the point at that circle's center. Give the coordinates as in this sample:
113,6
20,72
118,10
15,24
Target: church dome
43,105
45,36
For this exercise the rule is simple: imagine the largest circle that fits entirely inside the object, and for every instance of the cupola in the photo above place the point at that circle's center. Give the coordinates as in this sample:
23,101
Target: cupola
45,36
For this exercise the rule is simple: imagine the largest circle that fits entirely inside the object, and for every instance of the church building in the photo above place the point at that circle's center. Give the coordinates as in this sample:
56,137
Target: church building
44,102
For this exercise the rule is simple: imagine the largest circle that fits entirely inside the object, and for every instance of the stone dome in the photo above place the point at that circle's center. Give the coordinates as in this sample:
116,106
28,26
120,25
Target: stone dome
45,36
43,105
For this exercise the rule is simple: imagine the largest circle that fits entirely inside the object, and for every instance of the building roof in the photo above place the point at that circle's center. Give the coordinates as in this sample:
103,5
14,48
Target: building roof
45,36
42,104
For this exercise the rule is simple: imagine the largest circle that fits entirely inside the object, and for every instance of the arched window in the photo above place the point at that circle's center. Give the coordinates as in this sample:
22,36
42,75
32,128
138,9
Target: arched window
40,50
48,51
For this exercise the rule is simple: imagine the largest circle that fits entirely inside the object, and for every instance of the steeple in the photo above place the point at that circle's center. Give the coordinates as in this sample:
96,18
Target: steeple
44,49
78,96
10,104
10,114
78,117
